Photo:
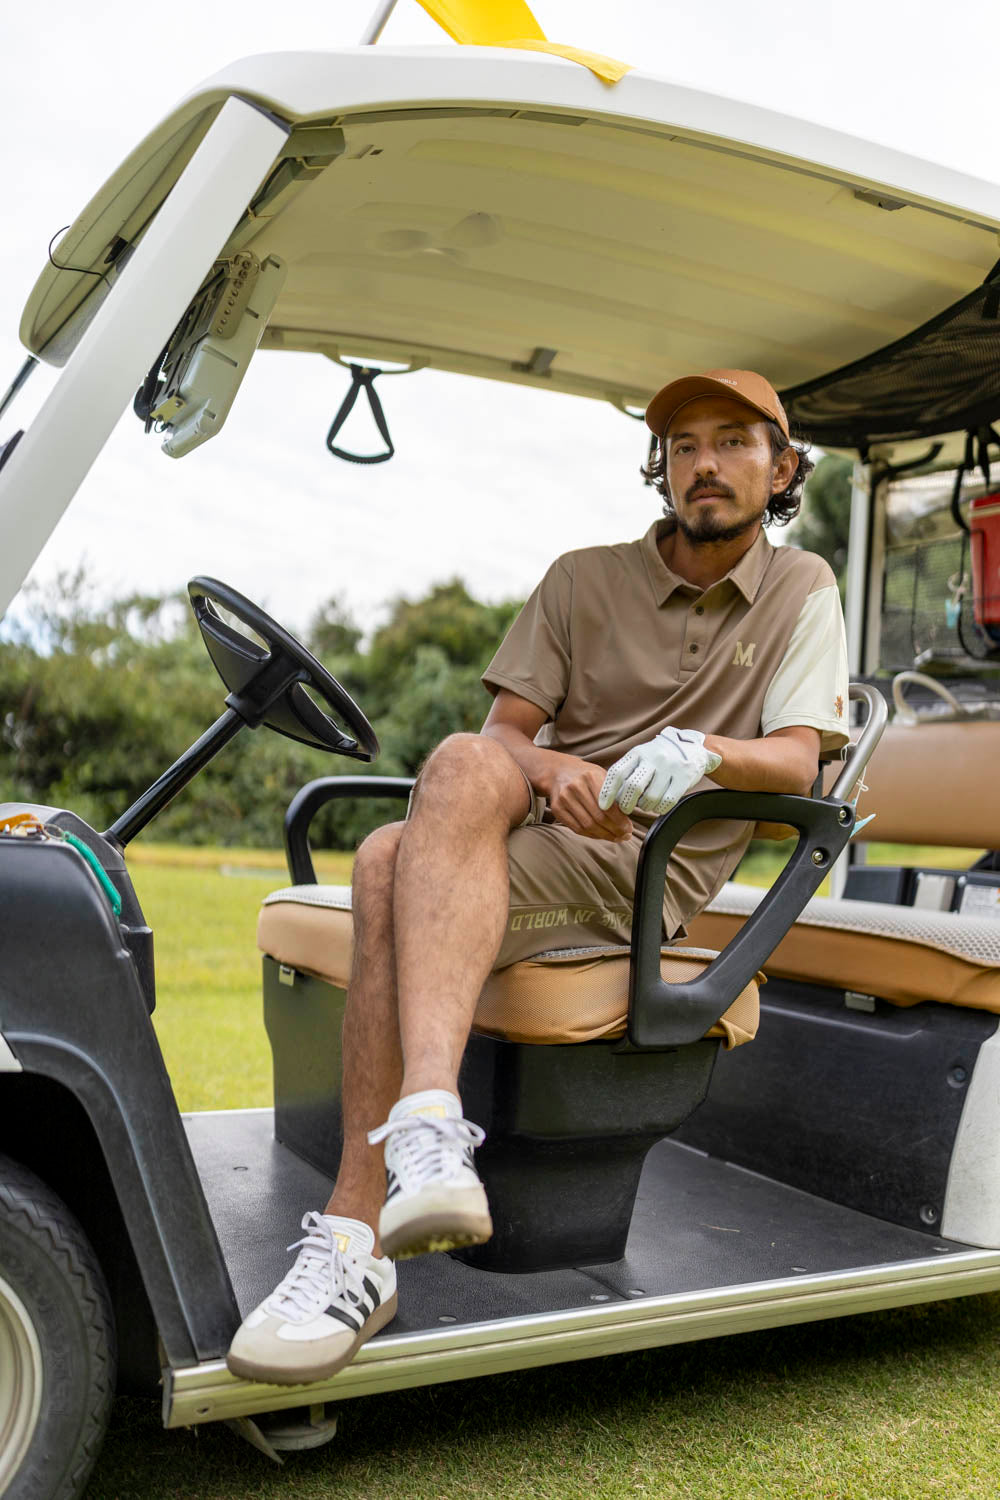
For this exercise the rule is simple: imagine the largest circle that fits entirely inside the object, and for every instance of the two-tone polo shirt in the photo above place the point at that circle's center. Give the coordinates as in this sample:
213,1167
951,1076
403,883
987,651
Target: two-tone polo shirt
613,646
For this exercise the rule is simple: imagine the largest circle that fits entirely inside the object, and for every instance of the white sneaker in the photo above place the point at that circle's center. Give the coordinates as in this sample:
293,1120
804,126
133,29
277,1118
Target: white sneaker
434,1198
314,1322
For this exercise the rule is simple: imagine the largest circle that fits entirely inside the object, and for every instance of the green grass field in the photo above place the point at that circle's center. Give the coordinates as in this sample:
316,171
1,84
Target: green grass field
202,905
893,1406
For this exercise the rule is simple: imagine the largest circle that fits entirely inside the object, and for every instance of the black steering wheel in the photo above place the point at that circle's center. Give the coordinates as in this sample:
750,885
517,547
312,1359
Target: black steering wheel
269,686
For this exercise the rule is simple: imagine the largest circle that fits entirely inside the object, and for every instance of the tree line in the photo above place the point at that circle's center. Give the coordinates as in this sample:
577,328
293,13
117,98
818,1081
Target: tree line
97,699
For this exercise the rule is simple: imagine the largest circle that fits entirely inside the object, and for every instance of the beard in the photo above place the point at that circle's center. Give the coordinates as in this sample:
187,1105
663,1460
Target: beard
709,528
706,527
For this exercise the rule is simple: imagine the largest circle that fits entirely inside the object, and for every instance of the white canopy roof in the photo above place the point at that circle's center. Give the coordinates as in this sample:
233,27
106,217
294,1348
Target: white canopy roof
506,214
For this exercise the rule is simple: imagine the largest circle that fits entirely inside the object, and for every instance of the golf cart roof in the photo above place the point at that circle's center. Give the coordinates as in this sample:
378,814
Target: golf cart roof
506,214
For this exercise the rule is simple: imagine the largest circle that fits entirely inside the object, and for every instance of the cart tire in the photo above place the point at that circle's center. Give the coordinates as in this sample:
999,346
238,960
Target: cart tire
57,1344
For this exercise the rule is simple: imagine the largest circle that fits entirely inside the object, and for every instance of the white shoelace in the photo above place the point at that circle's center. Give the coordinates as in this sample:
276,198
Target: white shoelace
428,1147
321,1274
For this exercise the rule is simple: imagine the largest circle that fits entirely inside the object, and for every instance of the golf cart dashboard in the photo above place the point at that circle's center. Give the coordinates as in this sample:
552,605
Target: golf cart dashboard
91,872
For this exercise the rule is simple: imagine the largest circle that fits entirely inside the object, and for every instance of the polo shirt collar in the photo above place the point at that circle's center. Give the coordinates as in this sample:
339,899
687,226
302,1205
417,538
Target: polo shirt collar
747,575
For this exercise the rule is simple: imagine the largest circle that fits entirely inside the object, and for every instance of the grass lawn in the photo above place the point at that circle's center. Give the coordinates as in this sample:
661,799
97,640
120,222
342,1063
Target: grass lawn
899,1405
202,905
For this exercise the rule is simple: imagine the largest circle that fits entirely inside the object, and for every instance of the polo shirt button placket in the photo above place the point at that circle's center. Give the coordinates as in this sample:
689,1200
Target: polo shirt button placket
692,648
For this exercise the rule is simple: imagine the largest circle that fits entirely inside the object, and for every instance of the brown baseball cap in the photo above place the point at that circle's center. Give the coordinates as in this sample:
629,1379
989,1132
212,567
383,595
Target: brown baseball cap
742,385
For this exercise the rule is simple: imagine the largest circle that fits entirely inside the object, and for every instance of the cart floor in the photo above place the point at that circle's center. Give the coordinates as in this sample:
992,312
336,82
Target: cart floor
699,1224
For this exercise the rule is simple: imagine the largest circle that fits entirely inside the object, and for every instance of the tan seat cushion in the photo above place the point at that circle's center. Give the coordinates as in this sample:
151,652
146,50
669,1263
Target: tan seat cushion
904,785
899,953
568,995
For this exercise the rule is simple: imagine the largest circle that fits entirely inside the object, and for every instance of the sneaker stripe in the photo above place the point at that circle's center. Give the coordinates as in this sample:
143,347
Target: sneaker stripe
352,1320
372,1293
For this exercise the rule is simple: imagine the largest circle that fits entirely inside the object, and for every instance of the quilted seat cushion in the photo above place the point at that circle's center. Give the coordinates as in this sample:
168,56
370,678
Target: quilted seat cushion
902,954
567,995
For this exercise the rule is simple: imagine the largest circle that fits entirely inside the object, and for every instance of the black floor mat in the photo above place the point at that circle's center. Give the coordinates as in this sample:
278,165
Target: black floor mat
698,1224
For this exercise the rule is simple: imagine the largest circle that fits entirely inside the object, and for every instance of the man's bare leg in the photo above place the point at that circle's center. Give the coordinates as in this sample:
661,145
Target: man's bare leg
450,867
430,903
372,1059
451,901
341,1290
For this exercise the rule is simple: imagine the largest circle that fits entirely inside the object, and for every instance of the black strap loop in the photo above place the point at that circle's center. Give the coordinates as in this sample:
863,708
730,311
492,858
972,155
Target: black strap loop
968,462
977,455
362,378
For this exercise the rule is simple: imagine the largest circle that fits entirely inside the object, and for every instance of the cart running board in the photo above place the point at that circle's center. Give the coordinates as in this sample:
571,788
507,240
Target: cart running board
208,1392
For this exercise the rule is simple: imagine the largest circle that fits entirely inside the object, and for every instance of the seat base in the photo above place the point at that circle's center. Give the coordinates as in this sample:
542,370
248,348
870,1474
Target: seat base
568,1126
567,1132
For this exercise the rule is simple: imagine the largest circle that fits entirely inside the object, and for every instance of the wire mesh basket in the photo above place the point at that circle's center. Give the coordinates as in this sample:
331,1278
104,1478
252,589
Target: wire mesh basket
928,611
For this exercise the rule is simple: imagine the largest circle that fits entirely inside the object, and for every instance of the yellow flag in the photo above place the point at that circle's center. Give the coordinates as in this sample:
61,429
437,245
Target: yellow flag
510,23
484,23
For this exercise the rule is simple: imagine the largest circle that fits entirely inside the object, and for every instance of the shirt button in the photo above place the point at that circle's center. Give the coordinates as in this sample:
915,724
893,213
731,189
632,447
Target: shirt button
692,649
699,609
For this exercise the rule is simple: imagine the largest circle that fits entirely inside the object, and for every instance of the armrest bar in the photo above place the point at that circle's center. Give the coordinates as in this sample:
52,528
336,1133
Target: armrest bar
672,1015
860,754
307,802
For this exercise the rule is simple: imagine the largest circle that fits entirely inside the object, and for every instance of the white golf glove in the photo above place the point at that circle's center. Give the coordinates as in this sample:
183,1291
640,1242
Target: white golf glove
654,776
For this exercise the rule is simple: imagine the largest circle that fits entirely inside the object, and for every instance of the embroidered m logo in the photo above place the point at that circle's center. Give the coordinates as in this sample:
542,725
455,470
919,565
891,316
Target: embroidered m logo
744,654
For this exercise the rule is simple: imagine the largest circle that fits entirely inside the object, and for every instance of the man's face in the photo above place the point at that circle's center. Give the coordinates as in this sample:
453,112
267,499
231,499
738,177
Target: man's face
720,468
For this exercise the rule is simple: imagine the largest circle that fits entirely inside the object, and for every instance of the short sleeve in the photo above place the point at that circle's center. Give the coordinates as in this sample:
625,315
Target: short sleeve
810,685
535,655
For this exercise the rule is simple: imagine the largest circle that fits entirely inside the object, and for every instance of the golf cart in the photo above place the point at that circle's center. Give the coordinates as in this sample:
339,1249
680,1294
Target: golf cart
511,216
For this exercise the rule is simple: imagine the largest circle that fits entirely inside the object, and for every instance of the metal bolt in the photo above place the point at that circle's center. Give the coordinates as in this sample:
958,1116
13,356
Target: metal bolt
957,1076
844,816
929,1214
819,856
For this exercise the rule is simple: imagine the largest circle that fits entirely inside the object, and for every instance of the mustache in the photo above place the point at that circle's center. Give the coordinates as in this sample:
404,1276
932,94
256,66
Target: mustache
718,488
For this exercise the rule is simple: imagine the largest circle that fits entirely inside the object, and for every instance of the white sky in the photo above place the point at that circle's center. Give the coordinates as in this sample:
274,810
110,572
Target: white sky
490,481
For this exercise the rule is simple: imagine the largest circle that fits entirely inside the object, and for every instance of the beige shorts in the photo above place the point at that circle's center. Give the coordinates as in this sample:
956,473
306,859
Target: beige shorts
566,891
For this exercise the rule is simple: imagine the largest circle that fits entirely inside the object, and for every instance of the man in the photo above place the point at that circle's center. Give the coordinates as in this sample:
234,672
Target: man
632,672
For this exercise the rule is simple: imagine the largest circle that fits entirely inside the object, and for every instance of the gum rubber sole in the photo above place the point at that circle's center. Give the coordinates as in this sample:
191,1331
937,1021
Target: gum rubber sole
302,1374
426,1233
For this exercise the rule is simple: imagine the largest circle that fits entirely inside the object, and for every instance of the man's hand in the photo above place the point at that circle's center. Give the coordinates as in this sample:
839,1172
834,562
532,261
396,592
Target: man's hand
573,797
569,785
654,776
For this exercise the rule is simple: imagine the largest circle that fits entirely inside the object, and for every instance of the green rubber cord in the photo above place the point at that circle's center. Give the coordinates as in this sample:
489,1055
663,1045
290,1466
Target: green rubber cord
95,865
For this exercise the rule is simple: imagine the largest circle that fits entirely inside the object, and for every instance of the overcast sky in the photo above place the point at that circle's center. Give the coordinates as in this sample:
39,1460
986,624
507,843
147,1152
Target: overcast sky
490,481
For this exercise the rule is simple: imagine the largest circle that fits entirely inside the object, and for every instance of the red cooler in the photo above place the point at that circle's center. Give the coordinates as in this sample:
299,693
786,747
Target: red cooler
984,542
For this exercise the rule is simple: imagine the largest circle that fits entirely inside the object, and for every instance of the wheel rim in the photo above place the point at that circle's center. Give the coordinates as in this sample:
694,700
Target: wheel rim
20,1382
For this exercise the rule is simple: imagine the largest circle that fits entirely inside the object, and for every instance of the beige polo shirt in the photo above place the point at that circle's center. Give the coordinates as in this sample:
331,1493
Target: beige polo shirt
614,646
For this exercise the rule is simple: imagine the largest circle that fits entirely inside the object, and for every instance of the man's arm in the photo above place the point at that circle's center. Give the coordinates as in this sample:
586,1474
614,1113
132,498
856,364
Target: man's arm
786,760
569,785
654,776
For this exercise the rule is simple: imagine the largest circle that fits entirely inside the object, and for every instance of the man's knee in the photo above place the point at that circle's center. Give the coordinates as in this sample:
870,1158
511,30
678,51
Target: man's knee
376,856
478,769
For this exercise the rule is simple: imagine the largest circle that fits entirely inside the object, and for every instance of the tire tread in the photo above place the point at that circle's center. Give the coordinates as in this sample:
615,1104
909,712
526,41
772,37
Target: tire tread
27,1201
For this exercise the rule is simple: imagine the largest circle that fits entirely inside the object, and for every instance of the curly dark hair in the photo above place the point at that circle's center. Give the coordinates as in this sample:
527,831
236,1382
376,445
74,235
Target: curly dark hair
782,507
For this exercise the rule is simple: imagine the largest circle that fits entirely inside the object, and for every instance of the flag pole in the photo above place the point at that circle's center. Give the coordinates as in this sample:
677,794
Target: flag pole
376,25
